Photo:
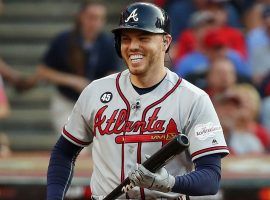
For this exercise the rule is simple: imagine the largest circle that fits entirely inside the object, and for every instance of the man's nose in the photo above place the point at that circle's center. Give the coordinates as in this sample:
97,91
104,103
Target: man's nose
134,44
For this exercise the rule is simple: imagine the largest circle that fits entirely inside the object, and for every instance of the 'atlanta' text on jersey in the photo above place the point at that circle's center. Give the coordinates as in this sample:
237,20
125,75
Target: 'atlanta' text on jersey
119,123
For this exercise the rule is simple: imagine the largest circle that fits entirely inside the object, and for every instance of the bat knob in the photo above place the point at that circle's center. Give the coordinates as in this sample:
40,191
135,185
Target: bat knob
183,139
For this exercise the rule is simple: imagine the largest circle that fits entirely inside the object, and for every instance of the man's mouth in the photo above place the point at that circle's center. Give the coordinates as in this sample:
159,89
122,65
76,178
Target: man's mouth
136,58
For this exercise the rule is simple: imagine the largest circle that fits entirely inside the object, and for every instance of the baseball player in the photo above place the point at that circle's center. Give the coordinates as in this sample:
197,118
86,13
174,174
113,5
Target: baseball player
130,115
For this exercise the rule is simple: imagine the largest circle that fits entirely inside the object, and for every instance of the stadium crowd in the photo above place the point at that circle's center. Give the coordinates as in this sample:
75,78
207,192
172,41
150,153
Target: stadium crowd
221,46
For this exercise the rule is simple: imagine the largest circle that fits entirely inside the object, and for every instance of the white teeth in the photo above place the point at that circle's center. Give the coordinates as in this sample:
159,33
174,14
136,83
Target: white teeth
136,58
132,57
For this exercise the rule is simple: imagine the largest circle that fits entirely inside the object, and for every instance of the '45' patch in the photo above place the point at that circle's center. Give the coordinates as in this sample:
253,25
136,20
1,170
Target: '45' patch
106,97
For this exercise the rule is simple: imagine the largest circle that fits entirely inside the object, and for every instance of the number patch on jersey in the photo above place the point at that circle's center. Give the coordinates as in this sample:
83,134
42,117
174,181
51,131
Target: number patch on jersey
106,97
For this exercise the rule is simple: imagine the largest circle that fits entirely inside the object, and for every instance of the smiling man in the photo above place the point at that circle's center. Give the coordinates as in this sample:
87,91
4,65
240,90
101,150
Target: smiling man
143,53
132,114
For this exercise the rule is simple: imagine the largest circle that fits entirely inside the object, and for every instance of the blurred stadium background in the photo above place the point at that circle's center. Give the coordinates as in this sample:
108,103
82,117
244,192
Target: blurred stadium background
26,27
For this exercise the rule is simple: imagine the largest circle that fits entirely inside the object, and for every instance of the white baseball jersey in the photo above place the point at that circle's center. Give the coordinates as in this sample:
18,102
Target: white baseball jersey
125,126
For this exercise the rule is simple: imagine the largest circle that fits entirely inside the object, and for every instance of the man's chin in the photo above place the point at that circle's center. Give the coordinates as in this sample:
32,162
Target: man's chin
135,70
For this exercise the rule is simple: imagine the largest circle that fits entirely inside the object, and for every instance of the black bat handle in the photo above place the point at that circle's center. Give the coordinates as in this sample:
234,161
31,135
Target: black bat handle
167,152
177,145
118,190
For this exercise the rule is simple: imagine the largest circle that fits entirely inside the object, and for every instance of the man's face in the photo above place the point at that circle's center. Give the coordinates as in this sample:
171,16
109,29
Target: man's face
142,51
92,20
221,75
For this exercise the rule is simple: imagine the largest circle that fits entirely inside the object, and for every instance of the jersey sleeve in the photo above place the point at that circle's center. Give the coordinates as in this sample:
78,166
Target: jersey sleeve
77,129
204,130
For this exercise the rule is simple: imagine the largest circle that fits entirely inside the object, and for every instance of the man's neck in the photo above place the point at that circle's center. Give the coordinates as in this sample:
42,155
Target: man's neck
149,79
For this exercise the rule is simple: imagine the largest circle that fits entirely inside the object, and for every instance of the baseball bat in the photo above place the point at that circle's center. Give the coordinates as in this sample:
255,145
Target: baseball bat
176,146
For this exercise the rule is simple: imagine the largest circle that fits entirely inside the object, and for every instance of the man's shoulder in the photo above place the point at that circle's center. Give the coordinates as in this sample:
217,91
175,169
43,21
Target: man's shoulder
193,88
110,77
105,80
188,89
185,86
97,86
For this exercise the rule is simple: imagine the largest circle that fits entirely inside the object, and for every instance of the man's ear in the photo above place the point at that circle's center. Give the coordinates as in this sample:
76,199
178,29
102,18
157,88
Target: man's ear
167,39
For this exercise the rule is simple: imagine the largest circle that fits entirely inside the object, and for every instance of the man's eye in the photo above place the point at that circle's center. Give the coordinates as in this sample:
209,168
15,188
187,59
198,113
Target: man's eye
144,38
124,39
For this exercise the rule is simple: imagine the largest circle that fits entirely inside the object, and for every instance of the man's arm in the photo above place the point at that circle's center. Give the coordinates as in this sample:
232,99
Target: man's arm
203,181
60,170
8,73
51,75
